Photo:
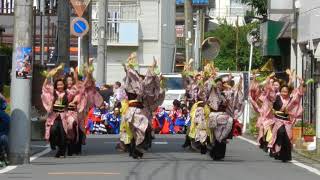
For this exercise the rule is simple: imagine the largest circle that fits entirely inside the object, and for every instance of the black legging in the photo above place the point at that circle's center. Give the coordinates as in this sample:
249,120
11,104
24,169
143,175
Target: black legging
133,151
283,141
76,148
218,151
58,137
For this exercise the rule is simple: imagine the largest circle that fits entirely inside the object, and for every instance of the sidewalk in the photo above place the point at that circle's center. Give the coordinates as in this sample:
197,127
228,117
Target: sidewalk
308,154
297,153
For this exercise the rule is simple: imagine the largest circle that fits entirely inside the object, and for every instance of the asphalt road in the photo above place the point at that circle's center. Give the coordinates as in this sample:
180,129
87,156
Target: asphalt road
166,161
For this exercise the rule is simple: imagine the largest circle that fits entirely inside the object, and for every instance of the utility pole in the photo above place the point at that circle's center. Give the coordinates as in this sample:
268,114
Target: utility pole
237,44
19,136
42,13
63,45
84,49
101,68
318,120
197,40
188,25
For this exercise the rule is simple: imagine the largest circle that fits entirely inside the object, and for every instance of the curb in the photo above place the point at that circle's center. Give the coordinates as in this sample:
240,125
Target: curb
249,136
306,156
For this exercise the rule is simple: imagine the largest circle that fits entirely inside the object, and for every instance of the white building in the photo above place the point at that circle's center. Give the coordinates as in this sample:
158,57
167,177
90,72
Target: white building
230,10
305,57
309,51
143,26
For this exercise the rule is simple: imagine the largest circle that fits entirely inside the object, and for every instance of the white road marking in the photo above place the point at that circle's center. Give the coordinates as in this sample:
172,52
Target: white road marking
7,169
32,158
40,146
110,142
295,162
157,142
44,152
160,142
311,169
248,140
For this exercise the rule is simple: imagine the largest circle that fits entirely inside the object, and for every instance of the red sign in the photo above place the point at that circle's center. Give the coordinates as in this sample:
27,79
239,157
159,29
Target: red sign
80,6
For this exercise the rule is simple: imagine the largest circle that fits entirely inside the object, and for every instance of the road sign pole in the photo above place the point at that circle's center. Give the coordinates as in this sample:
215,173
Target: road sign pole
318,120
79,52
19,136
42,13
188,25
85,39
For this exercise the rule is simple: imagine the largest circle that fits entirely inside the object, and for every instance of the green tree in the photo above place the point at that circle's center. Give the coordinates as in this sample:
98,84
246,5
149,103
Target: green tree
5,50
260,6
226,59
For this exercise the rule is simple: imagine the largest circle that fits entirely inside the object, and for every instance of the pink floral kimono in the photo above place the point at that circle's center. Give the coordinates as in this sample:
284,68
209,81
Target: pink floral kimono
284,118
47,97
262,101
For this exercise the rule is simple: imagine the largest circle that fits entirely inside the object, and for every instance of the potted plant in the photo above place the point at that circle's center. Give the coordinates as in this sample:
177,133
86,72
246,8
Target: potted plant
297,131
309,133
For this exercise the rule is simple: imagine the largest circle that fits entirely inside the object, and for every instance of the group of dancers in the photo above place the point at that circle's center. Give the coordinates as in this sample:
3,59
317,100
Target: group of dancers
67,100
279,105
216,102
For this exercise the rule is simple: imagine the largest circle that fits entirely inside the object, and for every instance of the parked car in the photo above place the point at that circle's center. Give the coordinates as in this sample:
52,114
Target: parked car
174,89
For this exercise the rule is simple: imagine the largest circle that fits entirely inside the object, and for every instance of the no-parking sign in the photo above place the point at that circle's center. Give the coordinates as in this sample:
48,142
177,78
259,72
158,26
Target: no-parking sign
79,27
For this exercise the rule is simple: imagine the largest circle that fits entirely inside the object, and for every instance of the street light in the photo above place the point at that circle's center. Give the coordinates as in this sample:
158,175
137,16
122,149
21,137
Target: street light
253,38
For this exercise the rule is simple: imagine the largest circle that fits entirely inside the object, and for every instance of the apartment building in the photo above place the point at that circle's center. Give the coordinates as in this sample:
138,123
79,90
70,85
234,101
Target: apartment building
146,27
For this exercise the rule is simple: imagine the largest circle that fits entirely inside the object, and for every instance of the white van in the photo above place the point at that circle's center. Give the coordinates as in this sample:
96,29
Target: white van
174,90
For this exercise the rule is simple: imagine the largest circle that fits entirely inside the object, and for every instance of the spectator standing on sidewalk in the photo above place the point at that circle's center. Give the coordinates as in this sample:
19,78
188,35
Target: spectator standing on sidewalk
4,131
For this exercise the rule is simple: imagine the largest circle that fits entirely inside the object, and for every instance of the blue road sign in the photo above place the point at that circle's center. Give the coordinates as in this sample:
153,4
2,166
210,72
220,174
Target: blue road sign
79,27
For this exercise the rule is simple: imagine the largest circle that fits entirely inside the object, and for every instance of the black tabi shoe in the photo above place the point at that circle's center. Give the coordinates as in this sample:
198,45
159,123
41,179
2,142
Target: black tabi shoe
140,148
57,155
271,154
186,144
203,149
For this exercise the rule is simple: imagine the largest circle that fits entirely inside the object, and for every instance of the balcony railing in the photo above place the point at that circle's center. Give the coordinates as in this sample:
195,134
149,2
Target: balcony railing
228,12
122,24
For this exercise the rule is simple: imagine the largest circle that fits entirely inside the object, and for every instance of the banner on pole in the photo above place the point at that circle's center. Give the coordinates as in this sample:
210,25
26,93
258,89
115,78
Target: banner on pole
23,62
80,6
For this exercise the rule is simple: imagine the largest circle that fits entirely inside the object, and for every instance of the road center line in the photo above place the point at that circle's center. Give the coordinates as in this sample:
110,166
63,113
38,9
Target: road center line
295,162
83,173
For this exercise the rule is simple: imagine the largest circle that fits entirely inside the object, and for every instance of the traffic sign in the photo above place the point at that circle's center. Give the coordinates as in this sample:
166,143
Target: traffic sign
79,27
80,6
